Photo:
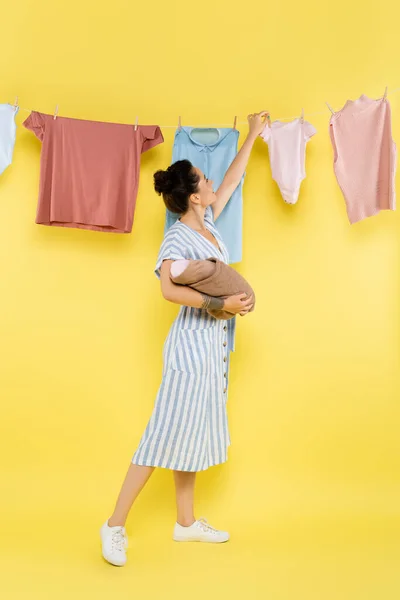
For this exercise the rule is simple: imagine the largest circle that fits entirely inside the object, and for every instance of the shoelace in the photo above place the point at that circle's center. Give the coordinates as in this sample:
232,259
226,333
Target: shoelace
204,524
119,540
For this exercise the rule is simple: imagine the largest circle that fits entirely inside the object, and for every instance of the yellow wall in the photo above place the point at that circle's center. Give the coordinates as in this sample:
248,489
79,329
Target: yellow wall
315,382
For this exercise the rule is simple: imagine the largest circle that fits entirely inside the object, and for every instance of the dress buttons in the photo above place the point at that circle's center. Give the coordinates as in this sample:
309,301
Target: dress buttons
224,374
224,344
224,358
225,328
224,390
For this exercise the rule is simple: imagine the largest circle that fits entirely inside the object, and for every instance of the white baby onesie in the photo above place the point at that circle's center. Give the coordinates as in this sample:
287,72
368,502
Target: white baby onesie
7,134
287,152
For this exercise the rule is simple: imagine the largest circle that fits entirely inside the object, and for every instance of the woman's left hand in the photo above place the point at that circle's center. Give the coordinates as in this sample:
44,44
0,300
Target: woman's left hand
257,122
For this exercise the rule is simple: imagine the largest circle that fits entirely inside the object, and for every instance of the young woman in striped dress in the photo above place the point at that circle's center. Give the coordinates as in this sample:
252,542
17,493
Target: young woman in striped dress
188,429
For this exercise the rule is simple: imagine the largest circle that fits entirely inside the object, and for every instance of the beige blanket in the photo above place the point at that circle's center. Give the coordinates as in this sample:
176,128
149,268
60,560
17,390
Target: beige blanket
214,278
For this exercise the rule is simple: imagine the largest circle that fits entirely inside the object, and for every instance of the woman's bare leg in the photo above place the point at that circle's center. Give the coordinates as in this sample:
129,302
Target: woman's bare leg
135,480
184,486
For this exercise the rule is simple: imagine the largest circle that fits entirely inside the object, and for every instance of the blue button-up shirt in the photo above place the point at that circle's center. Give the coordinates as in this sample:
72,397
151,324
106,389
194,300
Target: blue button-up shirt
214,156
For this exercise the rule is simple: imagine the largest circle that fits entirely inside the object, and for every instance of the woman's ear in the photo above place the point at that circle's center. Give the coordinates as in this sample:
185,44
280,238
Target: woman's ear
195,198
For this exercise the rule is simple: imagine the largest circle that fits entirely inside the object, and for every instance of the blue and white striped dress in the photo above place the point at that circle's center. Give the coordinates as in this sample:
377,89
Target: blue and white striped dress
188,429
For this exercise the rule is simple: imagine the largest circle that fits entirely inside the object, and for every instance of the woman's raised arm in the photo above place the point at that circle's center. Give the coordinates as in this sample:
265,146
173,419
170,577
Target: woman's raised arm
238,166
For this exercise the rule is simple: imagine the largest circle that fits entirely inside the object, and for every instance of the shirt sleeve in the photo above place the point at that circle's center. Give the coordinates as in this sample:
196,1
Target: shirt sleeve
266,133
35,123
170,250
309,131
151,136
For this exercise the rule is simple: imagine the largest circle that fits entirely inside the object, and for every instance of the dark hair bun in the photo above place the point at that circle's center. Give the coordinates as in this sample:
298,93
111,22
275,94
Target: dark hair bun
176,185
163,182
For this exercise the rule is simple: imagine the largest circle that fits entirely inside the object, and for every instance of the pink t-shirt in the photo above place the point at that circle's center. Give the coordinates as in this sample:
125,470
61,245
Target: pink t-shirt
89,171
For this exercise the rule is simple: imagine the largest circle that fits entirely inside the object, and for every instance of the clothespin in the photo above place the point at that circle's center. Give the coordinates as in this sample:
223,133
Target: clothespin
234,123
136,123
16,103
55,112
330,108
385,94
179,123
302,115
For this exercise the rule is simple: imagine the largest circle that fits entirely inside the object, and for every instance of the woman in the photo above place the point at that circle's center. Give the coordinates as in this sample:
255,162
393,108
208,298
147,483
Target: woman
188,430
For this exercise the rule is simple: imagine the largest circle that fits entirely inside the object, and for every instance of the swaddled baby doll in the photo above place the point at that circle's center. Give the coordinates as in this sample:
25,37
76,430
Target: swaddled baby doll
211,277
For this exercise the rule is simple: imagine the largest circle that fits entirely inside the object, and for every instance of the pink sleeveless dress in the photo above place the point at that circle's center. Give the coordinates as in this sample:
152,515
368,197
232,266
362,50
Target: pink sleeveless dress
365,156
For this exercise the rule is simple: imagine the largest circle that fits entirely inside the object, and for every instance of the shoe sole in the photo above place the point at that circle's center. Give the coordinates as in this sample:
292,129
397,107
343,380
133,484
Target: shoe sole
113,564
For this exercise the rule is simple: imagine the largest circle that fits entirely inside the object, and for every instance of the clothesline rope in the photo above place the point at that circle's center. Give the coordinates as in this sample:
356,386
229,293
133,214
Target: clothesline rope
321,112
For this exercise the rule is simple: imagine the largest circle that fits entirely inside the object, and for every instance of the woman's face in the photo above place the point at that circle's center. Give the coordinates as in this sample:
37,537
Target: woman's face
205,193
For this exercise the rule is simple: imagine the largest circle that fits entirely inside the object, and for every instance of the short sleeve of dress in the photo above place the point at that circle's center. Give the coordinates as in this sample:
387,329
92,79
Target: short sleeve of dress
170,250
309,130
151,136
35,123
266,133
209,215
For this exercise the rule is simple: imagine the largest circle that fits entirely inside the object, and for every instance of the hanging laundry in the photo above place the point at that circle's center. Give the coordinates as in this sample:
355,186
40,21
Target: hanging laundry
365,156
287,152
7,134
89,171
212,151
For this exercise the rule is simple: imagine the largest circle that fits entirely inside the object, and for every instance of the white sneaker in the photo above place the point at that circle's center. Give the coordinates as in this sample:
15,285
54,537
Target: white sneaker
113,543
199,531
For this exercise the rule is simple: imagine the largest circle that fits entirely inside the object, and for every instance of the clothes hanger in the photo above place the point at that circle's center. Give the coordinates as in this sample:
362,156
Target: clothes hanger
302,116
385,94
179,123
269,120
234,123
55,112
136,123
16,104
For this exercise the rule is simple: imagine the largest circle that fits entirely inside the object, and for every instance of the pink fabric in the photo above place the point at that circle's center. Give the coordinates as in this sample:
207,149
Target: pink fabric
89,171
365,156
287,154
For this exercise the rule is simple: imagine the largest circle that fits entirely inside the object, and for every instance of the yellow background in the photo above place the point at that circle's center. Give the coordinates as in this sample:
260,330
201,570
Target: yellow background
310,493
